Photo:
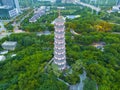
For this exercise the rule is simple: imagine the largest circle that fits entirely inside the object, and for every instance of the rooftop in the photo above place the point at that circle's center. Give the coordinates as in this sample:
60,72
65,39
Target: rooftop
5,7
37,15
99,43
60,19
9,43
4,52
2,58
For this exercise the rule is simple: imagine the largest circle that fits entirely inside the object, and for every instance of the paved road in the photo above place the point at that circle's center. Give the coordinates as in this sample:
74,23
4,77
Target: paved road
2,35
114,23
25,17
90,6
73,32
2,28
80,85
5,20
115,32
16,25
46,66
63,81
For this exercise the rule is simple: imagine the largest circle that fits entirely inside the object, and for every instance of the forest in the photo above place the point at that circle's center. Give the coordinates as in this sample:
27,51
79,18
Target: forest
26,71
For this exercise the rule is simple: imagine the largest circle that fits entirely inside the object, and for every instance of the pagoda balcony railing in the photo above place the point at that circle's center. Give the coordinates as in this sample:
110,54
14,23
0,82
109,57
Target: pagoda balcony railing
59,58
59,47
59,53
59,24
59,40
59,33
59,50
60,62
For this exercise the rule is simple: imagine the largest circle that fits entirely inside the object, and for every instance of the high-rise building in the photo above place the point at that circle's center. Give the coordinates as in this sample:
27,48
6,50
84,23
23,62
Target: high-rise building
17,5
12,3
9,8
52,1
116,8
117,2
68,1
34,1
1,3
9,3
59,43
58,1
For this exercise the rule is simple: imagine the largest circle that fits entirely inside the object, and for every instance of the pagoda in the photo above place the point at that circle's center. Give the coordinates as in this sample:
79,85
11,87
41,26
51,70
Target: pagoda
59,43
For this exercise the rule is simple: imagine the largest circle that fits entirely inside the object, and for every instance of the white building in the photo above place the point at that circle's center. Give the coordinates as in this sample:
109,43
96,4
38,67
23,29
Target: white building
3,52
116,8
38,13
53,1
2,58
13,12
9,45
17,5
69,1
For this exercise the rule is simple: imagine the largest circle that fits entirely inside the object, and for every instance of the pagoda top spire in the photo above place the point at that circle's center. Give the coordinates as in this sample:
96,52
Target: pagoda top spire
59,14
60,18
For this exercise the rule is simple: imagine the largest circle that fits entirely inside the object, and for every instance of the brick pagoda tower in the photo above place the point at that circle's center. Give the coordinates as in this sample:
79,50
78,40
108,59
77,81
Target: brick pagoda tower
59,43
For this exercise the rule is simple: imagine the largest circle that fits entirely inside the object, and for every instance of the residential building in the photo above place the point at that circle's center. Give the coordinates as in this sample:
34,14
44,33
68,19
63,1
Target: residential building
2,58
9,45
38,13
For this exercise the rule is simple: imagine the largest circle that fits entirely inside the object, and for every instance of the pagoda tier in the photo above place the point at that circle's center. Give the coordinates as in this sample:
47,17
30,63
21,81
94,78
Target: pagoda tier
59,53
59,33
59,43
59,50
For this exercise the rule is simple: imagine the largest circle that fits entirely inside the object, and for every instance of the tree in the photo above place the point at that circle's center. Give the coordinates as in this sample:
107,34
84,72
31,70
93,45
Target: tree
103,26
89,85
